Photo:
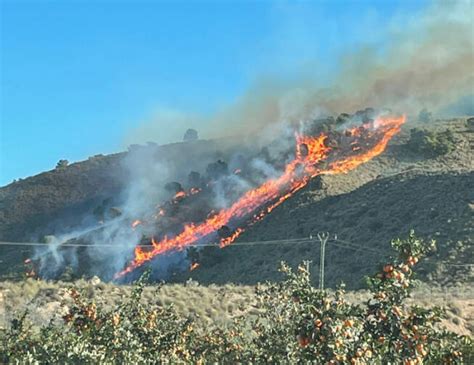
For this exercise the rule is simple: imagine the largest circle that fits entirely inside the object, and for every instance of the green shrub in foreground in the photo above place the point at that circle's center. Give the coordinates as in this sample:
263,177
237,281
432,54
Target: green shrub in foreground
297,324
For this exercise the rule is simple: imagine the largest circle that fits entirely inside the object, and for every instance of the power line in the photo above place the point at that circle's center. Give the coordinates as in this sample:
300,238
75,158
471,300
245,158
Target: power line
335,241
249,243
356,248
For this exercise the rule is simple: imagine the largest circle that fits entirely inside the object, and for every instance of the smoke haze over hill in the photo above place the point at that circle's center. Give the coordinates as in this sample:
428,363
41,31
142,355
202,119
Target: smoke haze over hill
424,62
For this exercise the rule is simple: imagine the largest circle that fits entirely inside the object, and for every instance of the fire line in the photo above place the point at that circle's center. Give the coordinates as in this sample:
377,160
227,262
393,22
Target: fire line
272,193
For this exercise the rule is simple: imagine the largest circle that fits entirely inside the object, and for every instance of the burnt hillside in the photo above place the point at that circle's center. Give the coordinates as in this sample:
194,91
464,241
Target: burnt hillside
382,199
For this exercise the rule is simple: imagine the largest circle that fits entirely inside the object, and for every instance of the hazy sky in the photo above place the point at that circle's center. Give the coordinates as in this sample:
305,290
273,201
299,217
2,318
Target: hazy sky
78,77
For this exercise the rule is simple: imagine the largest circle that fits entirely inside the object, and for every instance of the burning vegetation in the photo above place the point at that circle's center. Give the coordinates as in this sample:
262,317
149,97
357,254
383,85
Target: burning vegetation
321,148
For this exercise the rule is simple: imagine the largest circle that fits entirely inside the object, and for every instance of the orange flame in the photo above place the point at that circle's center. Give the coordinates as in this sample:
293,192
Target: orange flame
194,191
296,175
194,266
228,240
180,194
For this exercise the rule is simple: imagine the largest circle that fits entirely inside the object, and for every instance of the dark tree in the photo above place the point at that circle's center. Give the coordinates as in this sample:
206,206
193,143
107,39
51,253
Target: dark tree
343,118
190,135
194,179
217,169
425,116
173,187
62,163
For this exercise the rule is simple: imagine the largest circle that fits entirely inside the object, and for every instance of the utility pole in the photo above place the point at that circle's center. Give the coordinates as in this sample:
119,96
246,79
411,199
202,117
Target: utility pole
323,238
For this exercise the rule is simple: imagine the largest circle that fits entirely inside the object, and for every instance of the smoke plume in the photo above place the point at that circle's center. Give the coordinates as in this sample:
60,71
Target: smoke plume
425,61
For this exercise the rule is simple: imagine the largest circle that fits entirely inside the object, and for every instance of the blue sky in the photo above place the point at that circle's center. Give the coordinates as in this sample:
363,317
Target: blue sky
78,76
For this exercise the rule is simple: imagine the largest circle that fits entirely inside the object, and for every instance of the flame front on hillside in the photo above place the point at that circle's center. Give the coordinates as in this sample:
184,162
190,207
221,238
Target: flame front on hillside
314,156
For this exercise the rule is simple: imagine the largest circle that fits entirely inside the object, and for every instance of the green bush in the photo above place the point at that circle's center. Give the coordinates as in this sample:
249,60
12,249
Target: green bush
62,164
431,143
293,323
470,124
425,116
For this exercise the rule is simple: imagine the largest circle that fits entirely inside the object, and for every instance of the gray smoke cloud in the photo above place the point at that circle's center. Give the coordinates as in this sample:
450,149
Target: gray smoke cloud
426,61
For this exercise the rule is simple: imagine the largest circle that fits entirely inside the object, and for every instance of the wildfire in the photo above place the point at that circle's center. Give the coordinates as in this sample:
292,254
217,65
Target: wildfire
228,240
310,152
194,191
180,194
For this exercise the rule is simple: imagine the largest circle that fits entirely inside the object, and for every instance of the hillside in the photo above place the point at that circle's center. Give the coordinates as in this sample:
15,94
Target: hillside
384,198
32,207
63,199
367,207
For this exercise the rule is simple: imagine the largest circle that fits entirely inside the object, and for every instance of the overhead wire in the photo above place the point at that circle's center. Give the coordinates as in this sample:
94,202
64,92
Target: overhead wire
216,244
334,241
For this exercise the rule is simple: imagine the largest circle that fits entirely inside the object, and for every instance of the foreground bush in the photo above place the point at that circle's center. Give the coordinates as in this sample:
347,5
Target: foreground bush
297,324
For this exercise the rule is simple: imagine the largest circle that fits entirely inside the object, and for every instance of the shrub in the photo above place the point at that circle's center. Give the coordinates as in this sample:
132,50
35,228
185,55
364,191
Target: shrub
62,164
425,116
217,169
293,323
342,118
470,124
131,333
431,143
190,135
303,324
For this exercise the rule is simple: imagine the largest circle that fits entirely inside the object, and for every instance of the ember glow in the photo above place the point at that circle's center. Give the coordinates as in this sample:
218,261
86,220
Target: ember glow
315,155
180,194
193,266
194,191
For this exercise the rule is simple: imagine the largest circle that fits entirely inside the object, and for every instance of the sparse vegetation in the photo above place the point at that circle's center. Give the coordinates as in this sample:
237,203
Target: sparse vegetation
294,323
470,124
431,143
62,163
190,135
425,116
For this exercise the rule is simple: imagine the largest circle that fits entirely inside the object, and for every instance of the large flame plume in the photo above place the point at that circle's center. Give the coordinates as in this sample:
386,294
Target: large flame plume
314,156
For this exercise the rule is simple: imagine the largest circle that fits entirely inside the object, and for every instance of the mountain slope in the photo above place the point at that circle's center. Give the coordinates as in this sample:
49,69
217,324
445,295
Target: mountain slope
432,196
368,206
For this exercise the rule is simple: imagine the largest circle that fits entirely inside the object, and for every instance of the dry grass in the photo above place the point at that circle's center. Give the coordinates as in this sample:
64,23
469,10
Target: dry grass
209,305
